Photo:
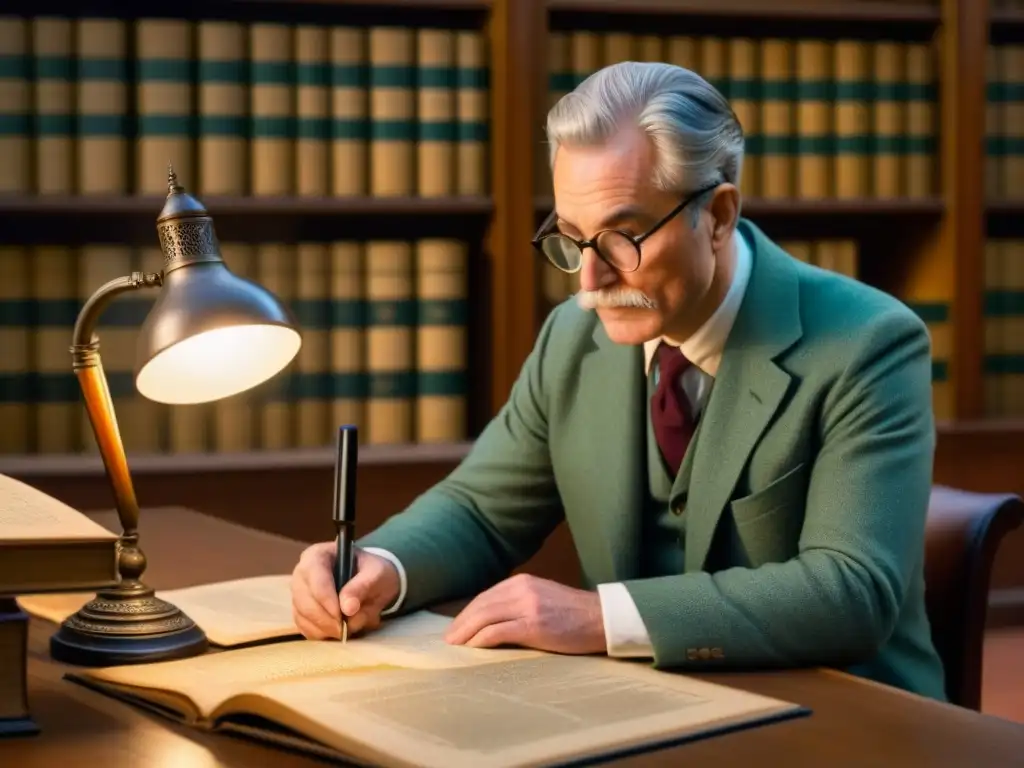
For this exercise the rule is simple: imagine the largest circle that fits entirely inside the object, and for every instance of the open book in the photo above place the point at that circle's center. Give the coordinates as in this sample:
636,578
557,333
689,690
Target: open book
47,546
402,696
229,612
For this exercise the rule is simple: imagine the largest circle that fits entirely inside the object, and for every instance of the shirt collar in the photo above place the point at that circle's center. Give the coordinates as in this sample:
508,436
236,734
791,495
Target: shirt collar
704,347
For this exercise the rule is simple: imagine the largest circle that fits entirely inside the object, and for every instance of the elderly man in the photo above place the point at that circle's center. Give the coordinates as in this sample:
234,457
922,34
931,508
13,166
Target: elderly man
740,444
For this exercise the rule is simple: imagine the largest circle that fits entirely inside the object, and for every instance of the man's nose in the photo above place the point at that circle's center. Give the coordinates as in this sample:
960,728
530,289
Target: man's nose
595,273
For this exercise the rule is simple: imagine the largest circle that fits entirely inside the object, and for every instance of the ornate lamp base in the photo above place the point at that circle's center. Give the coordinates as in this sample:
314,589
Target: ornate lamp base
126,625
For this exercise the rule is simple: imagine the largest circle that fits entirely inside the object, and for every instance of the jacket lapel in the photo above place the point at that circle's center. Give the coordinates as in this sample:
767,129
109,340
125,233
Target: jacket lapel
613,454
748,389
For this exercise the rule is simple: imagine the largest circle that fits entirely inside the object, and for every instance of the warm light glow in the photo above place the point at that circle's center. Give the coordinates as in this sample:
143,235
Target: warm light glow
218,363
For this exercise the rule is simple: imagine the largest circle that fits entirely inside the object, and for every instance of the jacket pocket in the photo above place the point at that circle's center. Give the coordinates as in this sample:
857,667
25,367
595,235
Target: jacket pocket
766,524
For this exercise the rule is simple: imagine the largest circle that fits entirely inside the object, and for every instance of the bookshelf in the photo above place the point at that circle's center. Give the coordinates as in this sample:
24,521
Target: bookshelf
930,242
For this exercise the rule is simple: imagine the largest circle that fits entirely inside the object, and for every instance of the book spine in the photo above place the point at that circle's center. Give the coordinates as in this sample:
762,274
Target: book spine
54,75
99,263
617,47
392,111
313,128
57,397
391,322
920,157
778,119
650,48
585,52
714,63
272,110
1004,309
744,56
472,86
437,124
313,311
852,165
1013,129
889,118
350,121
15,106
233,419
814,119
560,82
347,323
441,339
16,360
996,276
934,311
102,106
150,419
223,106
994,122
275,271
164,100
683,51
801,250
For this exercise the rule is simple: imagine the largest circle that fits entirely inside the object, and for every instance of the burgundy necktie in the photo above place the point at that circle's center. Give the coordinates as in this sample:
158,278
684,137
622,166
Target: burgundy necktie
671,415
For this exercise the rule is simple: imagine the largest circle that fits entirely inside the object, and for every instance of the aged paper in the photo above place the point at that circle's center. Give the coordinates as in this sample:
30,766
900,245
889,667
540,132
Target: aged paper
28,514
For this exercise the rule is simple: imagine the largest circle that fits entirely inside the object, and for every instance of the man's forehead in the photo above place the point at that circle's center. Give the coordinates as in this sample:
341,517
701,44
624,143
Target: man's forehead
610,216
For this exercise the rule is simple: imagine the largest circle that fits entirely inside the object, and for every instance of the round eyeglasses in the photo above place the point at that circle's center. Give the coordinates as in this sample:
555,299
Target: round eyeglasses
618,249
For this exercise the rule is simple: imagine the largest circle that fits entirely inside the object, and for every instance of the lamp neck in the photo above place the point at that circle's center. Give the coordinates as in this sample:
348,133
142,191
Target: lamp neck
84,345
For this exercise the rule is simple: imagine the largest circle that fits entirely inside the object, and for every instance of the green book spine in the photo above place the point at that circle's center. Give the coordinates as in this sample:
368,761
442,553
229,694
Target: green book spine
472,81
54,102
16,360
165,120
102,106
313,120
272,110
15,106
311,391
223,119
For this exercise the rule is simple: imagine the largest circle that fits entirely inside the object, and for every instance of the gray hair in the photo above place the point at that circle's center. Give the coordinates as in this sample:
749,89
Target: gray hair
697,138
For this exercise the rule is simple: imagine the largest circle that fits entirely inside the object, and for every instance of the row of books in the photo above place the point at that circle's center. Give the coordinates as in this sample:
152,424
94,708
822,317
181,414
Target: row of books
822,118
1004,328
1004,123
384,346
99,106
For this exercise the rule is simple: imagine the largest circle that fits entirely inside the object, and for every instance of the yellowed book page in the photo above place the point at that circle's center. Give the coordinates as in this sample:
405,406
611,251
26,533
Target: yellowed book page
562,707
28,514
413,641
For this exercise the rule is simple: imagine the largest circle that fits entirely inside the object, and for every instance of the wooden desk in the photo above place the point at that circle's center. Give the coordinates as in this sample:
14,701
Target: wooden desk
853,722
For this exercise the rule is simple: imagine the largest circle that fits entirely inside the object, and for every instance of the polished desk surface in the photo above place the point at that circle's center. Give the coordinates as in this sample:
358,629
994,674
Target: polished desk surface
853,722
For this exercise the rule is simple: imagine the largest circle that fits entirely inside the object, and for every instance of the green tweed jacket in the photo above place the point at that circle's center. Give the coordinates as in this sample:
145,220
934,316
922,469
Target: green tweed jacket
805,513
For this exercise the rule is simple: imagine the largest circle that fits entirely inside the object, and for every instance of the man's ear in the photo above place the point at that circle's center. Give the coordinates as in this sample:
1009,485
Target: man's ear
725,209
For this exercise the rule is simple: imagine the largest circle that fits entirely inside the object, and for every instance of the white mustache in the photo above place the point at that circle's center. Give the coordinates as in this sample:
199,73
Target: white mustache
615,297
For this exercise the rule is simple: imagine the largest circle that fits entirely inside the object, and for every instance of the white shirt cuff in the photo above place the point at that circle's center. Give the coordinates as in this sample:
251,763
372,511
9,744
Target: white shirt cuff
624,630
402,583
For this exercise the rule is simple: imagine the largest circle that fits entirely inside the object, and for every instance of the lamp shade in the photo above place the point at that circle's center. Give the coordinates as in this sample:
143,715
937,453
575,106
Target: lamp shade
211,334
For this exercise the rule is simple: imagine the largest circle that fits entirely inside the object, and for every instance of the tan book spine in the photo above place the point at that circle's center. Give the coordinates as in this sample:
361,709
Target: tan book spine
714,62
560,82
391,363
889,123
650,48
617,47
586,54
744,82
683,51
921,156
994,122
16,304
233,420
814,119
272,107
437,123
275,271
165,63
54,102
313,369
1011,365
392,111
350,112
58,407
150,419
223,120
996,276
102,106
441,339
1013,125
313,129
852,166
778,118
801,250
16,141
472,84
348,387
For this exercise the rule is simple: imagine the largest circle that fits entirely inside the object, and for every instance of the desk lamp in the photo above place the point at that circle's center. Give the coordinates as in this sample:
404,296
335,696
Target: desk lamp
210,335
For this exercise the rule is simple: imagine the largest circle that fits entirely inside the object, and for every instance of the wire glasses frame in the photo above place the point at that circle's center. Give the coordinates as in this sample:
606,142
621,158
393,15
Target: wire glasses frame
618,249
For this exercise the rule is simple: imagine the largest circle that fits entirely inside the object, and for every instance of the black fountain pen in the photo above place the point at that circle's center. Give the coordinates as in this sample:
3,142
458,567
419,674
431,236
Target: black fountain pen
345,509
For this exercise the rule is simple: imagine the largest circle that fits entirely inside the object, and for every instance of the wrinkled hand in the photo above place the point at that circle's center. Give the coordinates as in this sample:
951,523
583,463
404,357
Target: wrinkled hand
534,613
317,608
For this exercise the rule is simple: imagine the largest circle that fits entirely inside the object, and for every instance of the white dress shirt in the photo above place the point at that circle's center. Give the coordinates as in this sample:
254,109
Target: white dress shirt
625,633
